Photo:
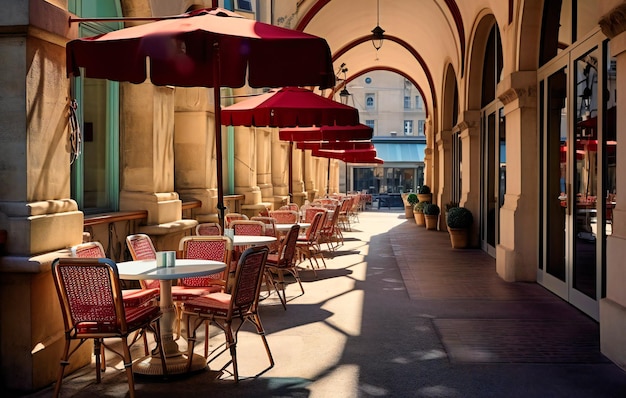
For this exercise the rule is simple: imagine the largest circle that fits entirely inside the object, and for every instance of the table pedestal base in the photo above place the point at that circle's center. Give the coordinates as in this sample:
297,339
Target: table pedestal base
151,365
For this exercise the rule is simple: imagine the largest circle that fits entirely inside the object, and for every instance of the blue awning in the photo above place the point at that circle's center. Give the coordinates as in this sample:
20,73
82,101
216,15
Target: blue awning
400,152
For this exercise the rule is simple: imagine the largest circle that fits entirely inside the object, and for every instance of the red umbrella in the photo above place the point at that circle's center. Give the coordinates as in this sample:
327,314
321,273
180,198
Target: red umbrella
336,145
327,133
206,48
289,107
322,133
347,156
183,51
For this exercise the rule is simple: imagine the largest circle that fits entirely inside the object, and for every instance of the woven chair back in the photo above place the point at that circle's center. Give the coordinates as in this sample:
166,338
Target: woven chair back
217,248
284,216
230,217
88,250
245,293
141,248
248,227
90,296
208,228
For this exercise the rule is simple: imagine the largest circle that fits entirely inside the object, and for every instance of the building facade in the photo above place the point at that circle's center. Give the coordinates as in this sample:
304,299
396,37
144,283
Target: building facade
522,128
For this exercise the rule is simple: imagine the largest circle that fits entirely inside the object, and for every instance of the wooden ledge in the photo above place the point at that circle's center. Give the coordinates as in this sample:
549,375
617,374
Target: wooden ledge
107,218
168,227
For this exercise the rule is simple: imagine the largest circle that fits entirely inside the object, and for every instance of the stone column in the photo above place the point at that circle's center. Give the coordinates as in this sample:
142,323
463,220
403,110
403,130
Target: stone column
280,153
469,128
35,206
299,191
517,252
613,306
309,170
147,159
443,146
194,150
264,164
430,156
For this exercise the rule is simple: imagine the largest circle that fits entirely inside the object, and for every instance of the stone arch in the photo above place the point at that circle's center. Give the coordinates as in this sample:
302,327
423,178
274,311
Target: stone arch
443,140
473,91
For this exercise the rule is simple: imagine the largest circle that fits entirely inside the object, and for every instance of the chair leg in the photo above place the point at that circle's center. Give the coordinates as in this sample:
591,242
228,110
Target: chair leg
128,366
97,349
103,365
294,271
256,320
206,339
157,337
191,339
271,284
231,343
63,363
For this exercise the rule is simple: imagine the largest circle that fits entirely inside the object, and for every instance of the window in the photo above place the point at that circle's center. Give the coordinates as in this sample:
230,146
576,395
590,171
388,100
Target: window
418,102
369,100
245,5
370,123
421,124
408,127
95,172
407,102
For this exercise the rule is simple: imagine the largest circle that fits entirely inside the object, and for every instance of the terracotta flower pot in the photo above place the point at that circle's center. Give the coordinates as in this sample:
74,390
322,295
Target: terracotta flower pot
419,218
458,237
408,211
431,221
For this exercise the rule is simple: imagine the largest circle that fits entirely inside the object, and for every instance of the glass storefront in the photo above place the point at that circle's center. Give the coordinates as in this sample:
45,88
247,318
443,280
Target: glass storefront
387,180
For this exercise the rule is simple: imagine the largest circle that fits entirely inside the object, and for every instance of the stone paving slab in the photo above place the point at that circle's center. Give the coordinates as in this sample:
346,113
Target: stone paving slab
398,313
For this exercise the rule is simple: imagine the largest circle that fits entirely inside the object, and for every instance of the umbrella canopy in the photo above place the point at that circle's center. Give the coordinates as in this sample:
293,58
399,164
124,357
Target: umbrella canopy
336,145
206,48
289,107
327,133
183,51
349,155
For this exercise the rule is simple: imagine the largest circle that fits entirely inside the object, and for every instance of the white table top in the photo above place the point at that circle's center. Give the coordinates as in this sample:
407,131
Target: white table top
241,240
146,269
287,227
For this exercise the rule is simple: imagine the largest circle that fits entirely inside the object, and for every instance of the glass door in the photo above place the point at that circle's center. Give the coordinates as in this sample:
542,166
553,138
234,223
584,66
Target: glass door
494,175
577,138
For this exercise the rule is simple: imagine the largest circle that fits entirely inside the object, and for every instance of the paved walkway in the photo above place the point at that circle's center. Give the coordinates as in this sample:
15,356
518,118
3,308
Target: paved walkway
399,313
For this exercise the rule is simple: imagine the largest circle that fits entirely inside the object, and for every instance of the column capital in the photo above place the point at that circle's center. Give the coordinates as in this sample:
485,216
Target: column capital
614,22
518,86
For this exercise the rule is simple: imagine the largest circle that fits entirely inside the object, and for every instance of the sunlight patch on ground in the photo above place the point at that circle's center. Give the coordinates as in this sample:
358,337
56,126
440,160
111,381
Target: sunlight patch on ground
351,302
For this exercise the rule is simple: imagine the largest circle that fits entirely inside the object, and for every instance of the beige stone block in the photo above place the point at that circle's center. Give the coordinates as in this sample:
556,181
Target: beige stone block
43,233
612,336
162,207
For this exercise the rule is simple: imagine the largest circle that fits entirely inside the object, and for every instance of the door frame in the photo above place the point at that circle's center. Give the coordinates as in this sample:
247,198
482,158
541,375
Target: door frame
565,289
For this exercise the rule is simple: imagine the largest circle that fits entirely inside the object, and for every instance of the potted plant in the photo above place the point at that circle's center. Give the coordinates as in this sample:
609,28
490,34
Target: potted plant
424,194
431,215
411,201
447,207
459,221
418,213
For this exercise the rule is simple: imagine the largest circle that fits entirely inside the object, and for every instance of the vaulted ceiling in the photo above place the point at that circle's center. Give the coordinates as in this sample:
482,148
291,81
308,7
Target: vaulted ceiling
421,36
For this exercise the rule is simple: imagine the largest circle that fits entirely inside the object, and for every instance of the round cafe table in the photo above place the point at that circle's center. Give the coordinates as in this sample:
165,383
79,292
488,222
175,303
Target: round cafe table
287,227
184,268
252,240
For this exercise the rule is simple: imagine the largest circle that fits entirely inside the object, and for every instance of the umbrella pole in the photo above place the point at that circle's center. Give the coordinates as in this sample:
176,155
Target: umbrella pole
328,179
290,172
218,133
